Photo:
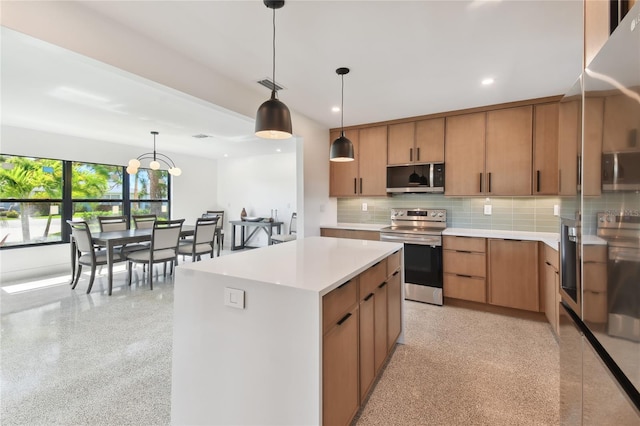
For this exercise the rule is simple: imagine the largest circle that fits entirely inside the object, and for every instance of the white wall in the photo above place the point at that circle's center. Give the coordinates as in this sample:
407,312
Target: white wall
189,196
257,184
72,26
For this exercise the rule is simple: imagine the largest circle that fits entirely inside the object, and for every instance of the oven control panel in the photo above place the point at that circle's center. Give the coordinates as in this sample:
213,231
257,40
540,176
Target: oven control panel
419,214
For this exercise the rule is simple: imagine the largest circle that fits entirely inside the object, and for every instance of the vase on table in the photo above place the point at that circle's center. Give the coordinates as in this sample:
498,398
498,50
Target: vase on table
243,214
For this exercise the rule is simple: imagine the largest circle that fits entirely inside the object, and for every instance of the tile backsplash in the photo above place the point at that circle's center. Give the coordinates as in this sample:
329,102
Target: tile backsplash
508,213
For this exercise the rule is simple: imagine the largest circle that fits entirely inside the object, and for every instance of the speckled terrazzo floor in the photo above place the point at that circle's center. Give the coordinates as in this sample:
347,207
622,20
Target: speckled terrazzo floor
74,359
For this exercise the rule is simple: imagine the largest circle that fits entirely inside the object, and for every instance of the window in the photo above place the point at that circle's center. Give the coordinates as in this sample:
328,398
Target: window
149,193
37,195
30,200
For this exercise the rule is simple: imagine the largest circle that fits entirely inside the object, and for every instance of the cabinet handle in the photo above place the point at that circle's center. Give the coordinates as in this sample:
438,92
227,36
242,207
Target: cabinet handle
489,183
547,263
344,318
396,272
369,296
344,283
410,154
355,185
382,285
464,276
418,149
463,251
559,181
480,182
537,180
361,185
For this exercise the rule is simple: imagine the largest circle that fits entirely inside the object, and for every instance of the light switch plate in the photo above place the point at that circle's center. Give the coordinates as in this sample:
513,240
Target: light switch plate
556,210
234,297
364,207
487,209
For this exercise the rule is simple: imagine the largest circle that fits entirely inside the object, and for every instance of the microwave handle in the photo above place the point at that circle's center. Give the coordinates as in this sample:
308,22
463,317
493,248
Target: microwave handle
431,167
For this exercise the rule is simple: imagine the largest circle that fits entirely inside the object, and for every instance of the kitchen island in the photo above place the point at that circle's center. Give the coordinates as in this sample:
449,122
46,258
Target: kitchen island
260,361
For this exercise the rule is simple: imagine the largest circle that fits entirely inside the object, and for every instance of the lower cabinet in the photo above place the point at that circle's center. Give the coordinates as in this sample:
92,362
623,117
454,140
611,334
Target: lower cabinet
513,274
340,370
361,324
464,265
550,285
594,281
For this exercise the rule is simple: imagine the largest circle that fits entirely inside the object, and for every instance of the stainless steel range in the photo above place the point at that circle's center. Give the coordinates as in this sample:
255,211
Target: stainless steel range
421,232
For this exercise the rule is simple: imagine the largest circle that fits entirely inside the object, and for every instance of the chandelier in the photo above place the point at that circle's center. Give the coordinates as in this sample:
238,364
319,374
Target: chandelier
156,159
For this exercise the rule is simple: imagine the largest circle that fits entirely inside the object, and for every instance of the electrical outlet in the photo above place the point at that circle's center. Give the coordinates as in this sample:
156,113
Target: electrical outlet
364,207
556,210
487,209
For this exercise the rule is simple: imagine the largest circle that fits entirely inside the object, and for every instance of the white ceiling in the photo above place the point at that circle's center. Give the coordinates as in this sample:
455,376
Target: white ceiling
407,58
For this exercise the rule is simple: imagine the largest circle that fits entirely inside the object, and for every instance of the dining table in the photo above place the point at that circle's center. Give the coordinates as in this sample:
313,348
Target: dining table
112,239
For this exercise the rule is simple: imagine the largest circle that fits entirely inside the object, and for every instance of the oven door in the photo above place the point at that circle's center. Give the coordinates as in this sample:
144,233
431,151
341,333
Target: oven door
423,273
570,264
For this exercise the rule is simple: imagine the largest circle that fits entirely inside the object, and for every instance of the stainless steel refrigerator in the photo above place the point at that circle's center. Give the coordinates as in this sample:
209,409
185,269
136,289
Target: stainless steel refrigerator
599,330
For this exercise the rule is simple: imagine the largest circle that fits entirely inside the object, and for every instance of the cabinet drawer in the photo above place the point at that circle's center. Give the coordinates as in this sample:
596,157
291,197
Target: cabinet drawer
338,302
594,306
372,278
466,288
393,262
595,254
473,264
595,277
451,242
551,256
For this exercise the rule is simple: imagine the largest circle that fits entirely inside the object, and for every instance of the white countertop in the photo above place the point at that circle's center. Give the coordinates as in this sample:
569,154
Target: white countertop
551,239
356,226
317,264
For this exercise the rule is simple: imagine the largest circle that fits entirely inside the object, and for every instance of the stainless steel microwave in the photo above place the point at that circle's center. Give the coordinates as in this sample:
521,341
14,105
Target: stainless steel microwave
621,171
426,177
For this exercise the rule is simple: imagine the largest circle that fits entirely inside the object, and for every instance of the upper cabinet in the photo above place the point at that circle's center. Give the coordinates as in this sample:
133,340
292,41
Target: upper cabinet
508,151
464,154
545,149
489,153
366,175
621,124
569,141
416,142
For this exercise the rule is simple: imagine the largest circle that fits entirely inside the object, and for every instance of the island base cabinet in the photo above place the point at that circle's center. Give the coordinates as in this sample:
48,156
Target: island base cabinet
367,345
340,397
380,325
394,306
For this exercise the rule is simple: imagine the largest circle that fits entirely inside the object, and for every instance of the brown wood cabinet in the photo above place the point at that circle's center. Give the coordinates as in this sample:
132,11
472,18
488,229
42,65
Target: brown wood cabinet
550,283
361,323
350,233
464,154
569,143
340,355
513,274
416,142
464,266
592,150
594,282
366,175
508,151
621,124
545,149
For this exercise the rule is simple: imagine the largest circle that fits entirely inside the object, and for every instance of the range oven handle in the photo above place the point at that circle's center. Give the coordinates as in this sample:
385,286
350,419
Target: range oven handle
434,242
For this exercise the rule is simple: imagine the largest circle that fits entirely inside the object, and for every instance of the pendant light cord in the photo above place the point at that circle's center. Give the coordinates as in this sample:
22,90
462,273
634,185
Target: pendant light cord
274,53
342,107
154,147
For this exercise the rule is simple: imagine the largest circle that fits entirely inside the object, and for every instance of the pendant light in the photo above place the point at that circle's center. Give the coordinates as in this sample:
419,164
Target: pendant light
341,148
157,160
273,119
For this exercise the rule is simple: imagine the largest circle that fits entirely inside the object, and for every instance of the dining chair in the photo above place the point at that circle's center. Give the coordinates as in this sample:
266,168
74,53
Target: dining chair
163,248
87,255
220,227
203,239
293,230
144,221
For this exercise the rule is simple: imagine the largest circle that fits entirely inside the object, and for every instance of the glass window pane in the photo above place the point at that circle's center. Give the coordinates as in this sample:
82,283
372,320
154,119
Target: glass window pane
30,178
89,212
96,181
149,184
159,208
30,223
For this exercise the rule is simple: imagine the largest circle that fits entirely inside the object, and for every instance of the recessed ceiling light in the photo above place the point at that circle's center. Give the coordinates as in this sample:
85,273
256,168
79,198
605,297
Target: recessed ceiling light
278,150
335,109
226,155
487,81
